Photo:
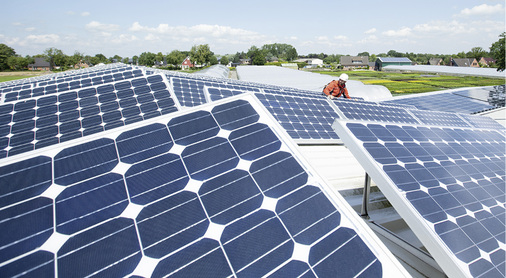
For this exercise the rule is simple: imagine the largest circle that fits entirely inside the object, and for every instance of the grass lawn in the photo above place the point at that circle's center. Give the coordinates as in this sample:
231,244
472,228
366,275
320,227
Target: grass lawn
412,83
14,75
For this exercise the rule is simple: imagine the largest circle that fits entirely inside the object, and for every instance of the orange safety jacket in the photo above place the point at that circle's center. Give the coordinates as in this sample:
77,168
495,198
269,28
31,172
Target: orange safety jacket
336,89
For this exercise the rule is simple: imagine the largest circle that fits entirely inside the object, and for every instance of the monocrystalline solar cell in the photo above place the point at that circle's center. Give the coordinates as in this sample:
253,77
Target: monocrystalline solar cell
304,118
447,182
443,101
228,197
74,114
358,110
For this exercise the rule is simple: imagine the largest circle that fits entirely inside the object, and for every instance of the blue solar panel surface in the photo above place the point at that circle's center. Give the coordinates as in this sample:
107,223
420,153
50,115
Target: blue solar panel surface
211,192
47,120
302,117
359,110
448,183
447,102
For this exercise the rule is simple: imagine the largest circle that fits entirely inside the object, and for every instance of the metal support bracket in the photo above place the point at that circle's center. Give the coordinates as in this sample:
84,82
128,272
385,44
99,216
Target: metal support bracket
365,197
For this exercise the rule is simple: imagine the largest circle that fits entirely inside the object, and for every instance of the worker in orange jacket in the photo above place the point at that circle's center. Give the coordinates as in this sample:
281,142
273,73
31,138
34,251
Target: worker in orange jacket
337,88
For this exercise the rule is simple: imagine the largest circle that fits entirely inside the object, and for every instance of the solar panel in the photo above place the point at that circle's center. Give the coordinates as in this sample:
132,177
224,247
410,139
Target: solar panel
306,119
361,110
58,117
475,93
218,190
443,101
446,182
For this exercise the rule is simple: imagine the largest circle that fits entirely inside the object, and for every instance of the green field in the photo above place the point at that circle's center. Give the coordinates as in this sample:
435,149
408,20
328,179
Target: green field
9,78
412,83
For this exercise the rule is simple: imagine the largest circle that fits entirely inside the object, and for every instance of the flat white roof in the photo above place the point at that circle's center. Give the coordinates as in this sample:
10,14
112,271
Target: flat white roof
305,80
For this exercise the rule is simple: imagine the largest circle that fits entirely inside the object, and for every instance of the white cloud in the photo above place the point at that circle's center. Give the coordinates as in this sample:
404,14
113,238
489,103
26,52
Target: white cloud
441,26
124,38
151,37
215,35
29,29
341,38
85,14
203,30
97,26
370,31
483,9
403,32
42,39
322,38
369,39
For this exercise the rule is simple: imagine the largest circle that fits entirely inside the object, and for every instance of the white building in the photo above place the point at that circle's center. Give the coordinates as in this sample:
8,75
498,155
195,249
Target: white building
311,62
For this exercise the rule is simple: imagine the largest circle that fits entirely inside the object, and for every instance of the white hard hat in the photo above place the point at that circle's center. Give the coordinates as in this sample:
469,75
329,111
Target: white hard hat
343,77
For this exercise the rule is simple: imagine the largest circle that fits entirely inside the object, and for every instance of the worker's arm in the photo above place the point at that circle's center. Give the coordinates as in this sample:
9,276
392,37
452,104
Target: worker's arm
346,93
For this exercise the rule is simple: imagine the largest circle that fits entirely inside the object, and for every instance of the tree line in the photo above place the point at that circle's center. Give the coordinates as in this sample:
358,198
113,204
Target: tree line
202,55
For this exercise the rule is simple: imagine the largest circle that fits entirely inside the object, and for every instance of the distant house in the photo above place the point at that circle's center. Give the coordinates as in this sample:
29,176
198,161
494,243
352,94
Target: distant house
354,62
435,62
464,62
391,61
39,64
187,63
81,65
487,61
246,61
311,62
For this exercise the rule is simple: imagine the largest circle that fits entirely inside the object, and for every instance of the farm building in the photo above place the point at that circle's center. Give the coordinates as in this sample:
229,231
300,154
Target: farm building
354,62
391,61
39,64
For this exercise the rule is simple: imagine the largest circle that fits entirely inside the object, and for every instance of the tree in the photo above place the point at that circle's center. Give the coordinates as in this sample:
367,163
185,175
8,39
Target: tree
101,58
393,53
75,59
126,60
5,53
256,55
159,57
477,53
224,60
18,62
497,51
116,58
213,60
365,53
281,50
291,54
147,59
201,54
55,57
175,58
135,59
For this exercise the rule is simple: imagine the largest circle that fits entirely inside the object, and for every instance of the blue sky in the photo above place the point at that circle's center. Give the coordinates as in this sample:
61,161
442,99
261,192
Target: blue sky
128,28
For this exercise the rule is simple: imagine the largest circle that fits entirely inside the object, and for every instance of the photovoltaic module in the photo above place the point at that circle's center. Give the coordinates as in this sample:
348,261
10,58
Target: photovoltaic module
217,190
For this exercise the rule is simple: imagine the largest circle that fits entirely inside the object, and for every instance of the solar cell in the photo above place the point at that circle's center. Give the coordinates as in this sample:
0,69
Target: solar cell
230,196
443,101
50,119
447,183
304,118
360,110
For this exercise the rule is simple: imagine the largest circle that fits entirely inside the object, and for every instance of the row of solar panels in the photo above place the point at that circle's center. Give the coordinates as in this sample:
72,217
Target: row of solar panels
220,189
57,115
